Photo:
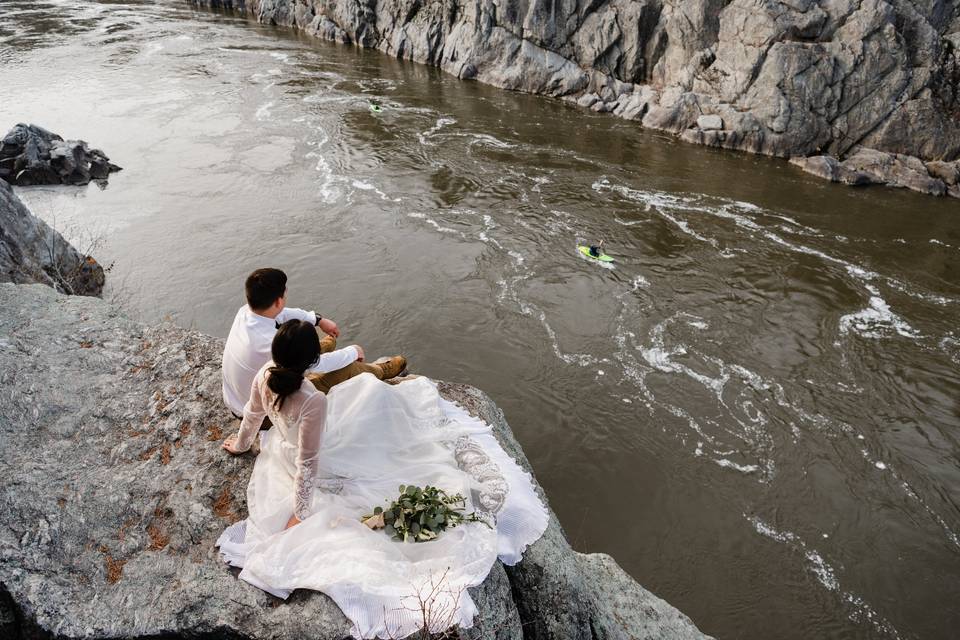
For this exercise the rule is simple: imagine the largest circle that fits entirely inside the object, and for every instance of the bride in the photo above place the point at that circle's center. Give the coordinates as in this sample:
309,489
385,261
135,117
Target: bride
330,459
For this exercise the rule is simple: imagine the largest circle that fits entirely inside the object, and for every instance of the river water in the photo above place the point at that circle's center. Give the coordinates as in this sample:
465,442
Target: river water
755,410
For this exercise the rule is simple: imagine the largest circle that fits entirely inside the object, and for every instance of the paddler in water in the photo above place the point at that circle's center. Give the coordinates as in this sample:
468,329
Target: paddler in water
596,249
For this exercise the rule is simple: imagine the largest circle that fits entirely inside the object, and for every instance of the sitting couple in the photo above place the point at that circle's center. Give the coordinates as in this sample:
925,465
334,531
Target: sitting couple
252,333
341,444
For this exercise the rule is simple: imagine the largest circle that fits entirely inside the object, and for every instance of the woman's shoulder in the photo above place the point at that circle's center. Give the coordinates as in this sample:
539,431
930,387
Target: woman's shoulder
312,394
262,373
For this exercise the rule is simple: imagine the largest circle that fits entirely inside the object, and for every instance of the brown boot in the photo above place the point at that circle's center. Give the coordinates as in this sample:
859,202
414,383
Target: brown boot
391,366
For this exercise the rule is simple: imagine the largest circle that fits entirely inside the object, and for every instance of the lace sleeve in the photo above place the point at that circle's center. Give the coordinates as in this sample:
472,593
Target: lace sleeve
253,414
312,424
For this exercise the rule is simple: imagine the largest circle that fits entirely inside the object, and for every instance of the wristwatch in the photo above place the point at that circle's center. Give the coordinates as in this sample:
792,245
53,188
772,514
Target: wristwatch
319,318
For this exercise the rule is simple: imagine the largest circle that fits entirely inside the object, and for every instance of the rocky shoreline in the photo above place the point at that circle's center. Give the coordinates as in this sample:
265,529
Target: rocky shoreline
114,490
857,92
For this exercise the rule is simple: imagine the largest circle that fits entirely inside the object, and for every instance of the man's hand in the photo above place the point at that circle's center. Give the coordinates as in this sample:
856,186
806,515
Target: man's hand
292,522
329,327
230,444
359,352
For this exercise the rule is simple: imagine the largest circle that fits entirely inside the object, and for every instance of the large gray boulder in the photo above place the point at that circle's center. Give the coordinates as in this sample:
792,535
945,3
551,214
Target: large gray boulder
788,78
31,155
114,489
31,251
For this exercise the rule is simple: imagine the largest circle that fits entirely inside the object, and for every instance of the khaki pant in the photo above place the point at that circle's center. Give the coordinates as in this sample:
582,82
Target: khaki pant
323,381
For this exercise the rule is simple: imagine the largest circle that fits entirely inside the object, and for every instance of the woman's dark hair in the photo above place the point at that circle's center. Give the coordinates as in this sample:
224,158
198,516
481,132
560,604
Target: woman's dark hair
263,287
295,347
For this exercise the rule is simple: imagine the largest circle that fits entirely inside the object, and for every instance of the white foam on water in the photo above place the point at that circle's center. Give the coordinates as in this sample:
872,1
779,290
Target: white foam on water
742,468
327,98
538,182
826,575
433,223
876,319
484,139
263,113
282,57
660,202
363,185
424,137
822,570
927,297
328,179
152,49
660,358
581,359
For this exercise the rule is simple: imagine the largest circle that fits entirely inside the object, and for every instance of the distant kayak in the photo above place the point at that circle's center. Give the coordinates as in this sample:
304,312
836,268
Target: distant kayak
601,258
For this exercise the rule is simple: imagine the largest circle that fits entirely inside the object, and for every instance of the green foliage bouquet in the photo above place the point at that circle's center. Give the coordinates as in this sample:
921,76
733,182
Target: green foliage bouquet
420,514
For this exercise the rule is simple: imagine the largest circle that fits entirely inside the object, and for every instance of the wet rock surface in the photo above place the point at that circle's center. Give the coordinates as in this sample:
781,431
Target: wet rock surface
32,252
114,489
789,79
31,155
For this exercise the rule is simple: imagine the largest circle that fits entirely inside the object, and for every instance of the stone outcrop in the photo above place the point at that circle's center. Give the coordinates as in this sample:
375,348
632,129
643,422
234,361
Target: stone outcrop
31,155
114,489
787,78
31,251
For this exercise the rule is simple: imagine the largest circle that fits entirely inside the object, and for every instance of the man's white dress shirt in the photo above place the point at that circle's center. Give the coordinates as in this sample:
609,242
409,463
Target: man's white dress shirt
248,349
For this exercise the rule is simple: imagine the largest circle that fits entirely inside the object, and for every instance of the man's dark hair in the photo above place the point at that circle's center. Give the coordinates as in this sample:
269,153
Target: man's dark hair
264,286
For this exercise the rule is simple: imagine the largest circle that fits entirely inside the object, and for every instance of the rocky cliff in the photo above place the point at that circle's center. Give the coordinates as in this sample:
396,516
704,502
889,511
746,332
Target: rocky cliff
114,488
827,79
31,251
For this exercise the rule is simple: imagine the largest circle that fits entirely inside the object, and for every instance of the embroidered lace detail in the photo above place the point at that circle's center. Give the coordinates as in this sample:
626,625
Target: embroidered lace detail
303,491
493,488
329,485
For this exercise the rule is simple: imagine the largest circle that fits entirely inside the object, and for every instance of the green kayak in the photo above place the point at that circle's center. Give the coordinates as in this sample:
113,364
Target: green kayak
602,257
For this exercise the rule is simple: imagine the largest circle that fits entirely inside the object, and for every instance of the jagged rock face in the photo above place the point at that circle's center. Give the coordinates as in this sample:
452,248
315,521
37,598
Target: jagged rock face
114,489
30,251
792,77
31,155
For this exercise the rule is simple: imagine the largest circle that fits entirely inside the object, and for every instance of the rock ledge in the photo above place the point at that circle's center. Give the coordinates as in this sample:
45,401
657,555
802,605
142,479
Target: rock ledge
114,490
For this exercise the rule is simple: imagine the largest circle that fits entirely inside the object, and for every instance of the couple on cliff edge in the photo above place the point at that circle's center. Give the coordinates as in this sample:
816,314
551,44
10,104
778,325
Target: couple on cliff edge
340,442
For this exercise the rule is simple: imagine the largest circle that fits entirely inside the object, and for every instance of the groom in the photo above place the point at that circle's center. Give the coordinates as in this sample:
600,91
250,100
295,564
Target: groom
248,345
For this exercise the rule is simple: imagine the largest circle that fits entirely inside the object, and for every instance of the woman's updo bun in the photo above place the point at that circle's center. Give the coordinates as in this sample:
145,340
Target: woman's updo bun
295,347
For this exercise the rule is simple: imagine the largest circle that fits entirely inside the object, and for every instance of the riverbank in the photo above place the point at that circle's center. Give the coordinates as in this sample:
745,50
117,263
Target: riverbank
855,93
115,489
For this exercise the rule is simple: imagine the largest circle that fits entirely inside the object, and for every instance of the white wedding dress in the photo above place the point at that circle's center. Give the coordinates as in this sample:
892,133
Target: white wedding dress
376,437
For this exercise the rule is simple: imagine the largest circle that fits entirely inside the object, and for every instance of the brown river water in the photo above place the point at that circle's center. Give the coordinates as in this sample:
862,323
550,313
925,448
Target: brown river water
756,410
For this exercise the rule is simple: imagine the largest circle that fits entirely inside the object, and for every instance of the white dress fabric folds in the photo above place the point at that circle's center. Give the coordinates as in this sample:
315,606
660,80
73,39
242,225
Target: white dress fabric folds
377,437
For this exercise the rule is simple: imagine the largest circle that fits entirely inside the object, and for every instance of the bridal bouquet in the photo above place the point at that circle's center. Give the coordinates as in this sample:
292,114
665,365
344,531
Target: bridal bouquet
420,514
